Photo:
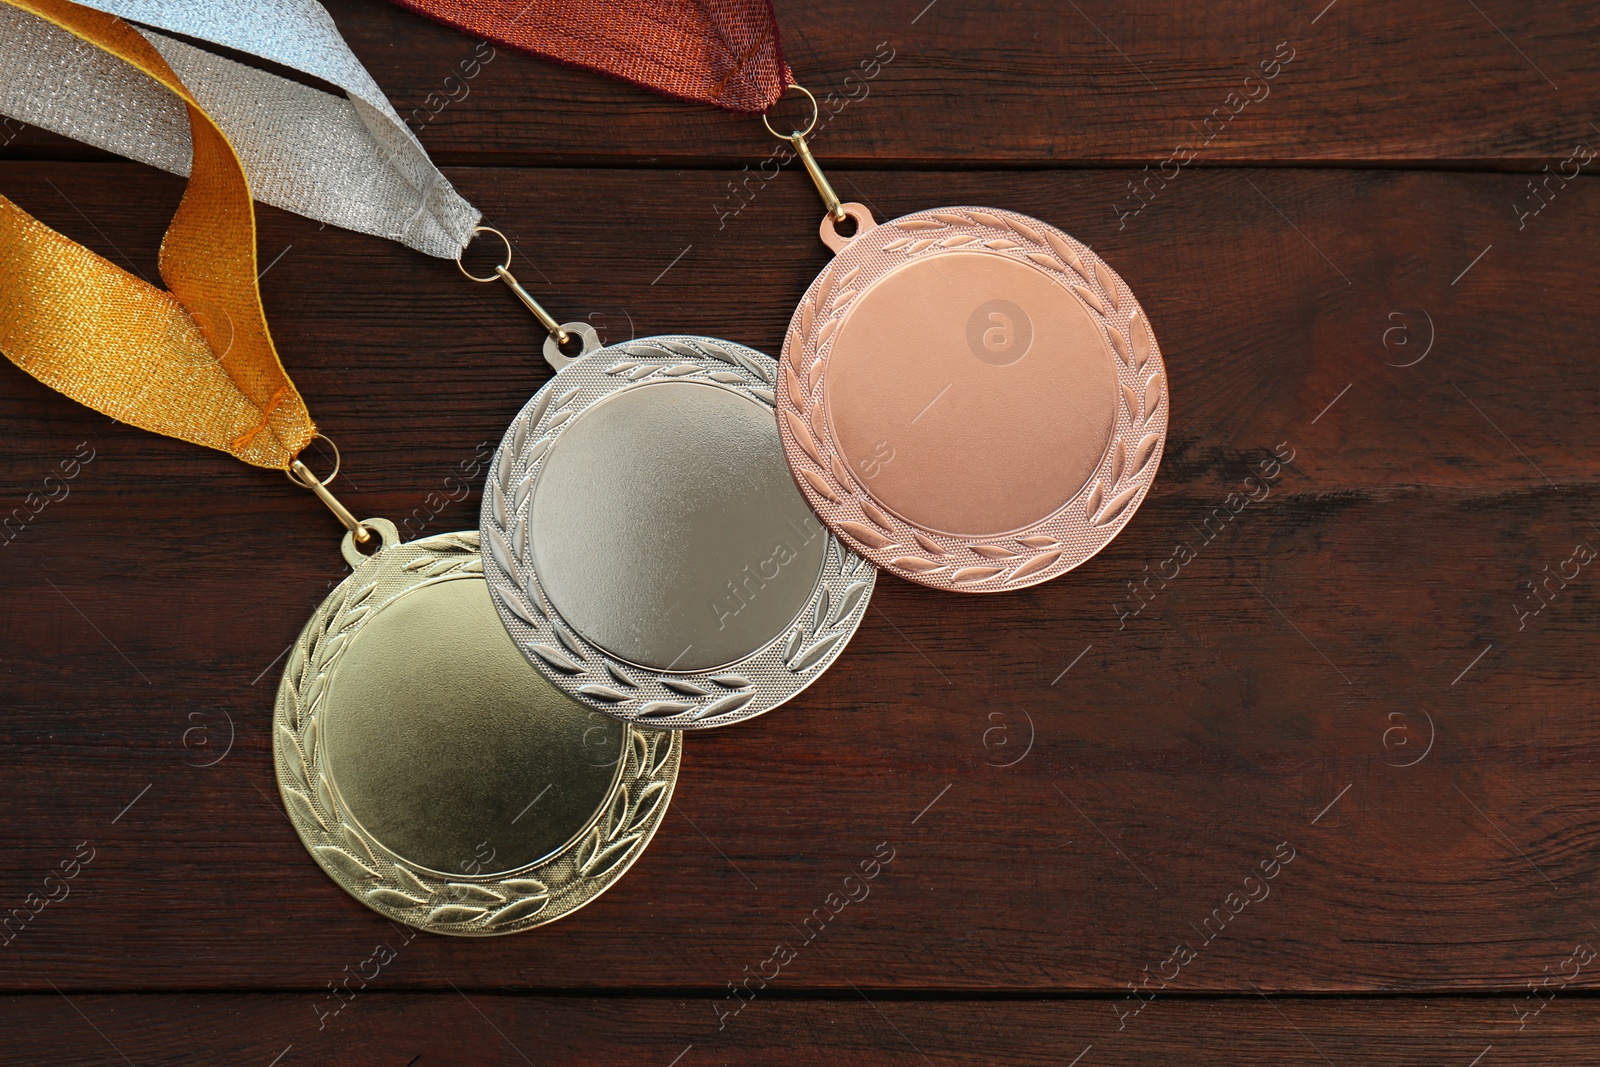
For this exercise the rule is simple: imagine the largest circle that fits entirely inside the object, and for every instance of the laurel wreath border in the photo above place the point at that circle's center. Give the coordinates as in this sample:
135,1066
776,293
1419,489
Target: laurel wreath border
1039,552
466,906
679,700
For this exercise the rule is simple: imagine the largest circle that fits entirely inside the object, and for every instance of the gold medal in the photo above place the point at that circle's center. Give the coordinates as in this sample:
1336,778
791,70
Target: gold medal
434,776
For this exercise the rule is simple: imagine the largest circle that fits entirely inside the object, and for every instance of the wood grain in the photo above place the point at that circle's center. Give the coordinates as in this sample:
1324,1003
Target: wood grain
1375,588
429,1030
1042,83
1038,83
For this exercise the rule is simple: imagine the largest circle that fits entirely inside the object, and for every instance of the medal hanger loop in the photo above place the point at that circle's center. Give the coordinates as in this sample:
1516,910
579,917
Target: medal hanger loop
301,475
560,332
503,273
797,138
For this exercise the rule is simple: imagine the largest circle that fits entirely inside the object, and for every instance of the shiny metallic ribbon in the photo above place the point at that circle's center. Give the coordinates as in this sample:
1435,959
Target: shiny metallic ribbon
350,162
193,361
720,52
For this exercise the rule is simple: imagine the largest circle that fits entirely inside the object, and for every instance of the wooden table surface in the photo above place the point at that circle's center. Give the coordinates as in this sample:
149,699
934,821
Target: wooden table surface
1371,687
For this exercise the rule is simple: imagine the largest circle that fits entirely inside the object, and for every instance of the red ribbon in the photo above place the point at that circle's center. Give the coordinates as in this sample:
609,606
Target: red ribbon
721,52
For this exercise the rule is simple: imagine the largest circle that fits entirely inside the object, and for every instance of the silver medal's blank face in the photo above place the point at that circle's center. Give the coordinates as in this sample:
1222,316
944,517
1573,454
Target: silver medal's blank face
448,750
647,547
667,529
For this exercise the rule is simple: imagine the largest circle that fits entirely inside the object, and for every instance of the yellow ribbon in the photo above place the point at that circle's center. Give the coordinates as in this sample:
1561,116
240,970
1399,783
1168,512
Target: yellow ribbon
193,361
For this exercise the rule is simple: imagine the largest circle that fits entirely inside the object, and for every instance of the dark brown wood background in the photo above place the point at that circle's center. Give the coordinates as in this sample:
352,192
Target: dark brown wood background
1346,669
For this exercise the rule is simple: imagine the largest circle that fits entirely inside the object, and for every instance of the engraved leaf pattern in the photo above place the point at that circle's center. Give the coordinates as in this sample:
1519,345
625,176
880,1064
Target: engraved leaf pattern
1116,505
394,898
725,705
555,657
342,862
1096,495
847,603
300,805
877,517
820,484
1068,255
1120,343
1152,394
658,708
819,614
802,434
1089,297
357,847
299,765
1107,285
814,654
1143,343
1034,565
517,911
409,883
867,535
1130,400
451,914
967,575
1143,451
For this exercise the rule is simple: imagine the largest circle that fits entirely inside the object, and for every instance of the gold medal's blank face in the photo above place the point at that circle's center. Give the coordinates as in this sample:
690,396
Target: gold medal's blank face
449,750
971,394
667,528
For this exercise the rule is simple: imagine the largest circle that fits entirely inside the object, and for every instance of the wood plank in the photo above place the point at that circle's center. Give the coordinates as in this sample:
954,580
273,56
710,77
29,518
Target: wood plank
1270,291
1268,694
1035,83
1040,83
427,1030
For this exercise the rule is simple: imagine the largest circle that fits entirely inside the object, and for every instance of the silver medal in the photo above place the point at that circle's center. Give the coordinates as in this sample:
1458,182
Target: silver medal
646,544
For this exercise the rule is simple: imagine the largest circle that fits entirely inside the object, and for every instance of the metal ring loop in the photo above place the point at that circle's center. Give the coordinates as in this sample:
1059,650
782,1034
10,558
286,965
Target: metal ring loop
289,473
581,330
815,113
830,227
504,266
388,537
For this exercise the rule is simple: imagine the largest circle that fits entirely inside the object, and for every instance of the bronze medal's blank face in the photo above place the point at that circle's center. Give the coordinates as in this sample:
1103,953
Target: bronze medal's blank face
971,394
667,528
449,750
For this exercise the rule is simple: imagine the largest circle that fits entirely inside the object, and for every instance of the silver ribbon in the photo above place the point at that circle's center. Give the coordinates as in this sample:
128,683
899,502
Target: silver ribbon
351,162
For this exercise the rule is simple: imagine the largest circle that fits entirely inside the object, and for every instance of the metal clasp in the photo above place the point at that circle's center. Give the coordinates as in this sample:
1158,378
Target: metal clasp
301,475
503,273
561,333
830,199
